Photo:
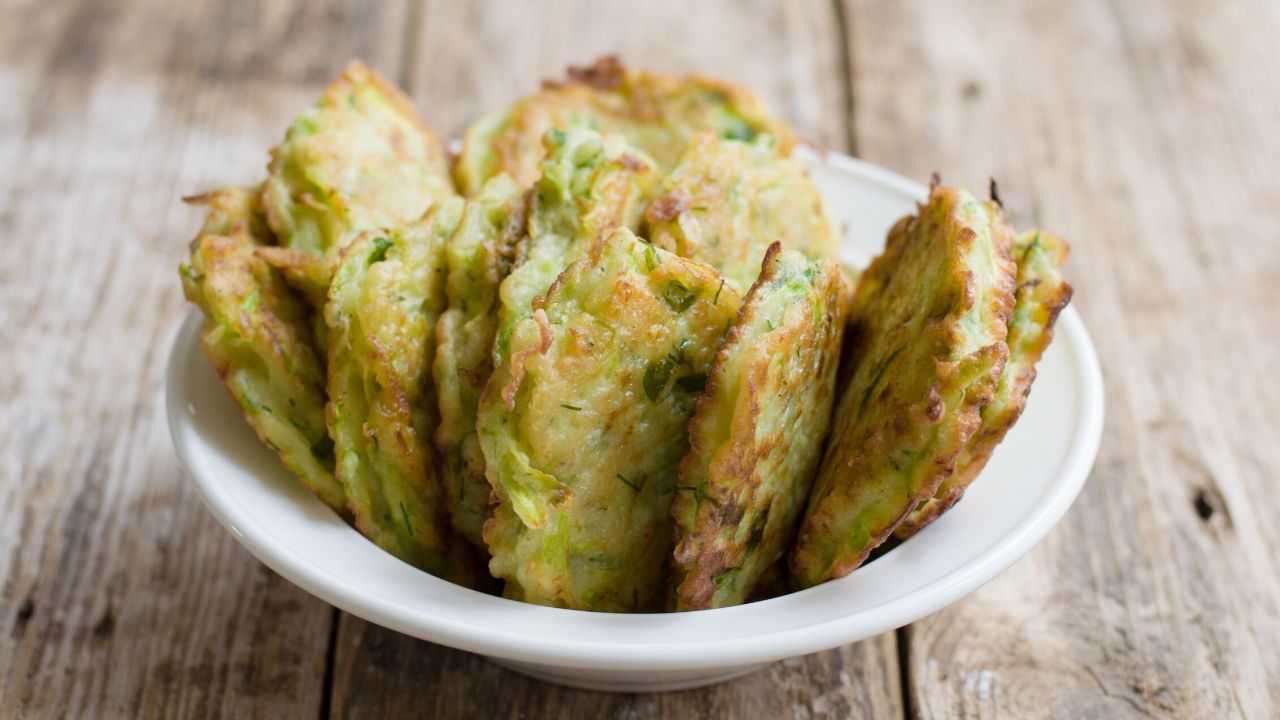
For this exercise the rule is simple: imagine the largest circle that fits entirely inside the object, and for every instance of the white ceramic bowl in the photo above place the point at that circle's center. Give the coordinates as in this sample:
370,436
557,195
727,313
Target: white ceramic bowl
1028,485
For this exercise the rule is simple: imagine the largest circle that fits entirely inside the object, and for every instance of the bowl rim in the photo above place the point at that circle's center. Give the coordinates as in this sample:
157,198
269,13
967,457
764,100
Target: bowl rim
606,653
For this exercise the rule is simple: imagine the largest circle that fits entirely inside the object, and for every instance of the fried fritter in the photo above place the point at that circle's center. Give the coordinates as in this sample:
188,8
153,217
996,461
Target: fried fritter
258,337
727,200
584,426
656,113
359,159
931,316
480,254
386,297
1042,293
757,435
590,185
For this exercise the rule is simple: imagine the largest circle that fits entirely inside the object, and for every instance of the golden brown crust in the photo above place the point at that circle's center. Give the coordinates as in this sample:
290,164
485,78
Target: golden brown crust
359,158
585,461
757,434
932,314
518,358
606,73
1041,295
726,201
258,338
657,113
668,206
479,255
383,305
357,73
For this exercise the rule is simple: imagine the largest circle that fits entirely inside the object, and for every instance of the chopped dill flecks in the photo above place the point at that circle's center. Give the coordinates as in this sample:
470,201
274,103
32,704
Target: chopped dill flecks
404,514
630,484
678,296
380,247
656,375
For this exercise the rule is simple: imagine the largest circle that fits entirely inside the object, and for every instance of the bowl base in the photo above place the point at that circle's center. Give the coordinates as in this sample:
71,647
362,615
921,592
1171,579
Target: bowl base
629,681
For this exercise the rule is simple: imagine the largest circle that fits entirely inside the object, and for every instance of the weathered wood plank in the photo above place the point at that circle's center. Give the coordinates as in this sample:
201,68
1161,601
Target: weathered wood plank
119,594
472,58
381,673
469,59
1146,137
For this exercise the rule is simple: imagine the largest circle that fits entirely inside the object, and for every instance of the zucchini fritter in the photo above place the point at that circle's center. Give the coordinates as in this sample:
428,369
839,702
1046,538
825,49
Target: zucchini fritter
656,113
480,254
583,427
386,297
757,435
1042,293
258,337
931,317
590,185
359,159
727,200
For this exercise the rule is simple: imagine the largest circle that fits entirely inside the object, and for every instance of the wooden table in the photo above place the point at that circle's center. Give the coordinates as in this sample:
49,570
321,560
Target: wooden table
1147,133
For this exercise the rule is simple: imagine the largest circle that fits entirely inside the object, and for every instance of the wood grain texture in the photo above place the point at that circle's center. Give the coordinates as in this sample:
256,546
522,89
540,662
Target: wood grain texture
381,673
1142,131
119,594
1146,137
472,58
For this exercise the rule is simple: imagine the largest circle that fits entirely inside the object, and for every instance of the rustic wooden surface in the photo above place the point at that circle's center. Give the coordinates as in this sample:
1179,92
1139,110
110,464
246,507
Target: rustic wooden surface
1143,131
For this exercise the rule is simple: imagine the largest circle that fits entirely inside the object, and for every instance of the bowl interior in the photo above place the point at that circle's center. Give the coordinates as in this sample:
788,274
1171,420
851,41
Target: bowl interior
1025,489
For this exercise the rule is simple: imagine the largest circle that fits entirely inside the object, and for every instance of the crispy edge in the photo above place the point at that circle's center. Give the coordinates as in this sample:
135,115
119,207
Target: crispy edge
310,270
507,525
1042,293
464,356
641,93
694,568
697,196
979,372
619,188
231,234
356,74
435,550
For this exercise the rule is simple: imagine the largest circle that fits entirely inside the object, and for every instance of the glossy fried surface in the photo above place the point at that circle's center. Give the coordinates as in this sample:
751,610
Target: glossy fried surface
590,185
931,316
584,425
726,201
757,435
359,159
1042,293
258,338
656,113
480,254
386,297
559,366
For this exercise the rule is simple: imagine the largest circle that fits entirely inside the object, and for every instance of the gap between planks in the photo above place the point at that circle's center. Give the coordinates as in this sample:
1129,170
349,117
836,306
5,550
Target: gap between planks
842,20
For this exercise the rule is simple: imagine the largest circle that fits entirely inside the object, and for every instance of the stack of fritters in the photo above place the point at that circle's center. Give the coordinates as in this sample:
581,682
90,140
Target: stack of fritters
584,424
758,431
258,337
479,255
610,367
655,113
933,383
